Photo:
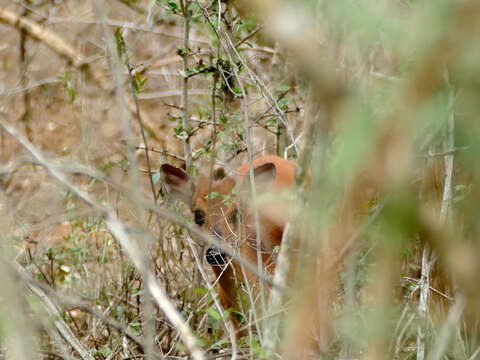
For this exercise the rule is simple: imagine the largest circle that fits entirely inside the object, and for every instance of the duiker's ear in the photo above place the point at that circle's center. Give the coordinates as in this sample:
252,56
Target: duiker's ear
264,176
177,182
218,174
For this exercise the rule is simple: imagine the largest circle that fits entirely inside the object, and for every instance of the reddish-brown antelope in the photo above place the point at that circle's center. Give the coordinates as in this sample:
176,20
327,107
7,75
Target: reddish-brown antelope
230,218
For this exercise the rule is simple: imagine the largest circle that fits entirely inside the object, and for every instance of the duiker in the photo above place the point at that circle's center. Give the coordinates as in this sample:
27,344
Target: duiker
223,208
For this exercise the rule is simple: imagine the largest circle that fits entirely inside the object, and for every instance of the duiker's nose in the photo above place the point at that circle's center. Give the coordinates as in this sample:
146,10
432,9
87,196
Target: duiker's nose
215,257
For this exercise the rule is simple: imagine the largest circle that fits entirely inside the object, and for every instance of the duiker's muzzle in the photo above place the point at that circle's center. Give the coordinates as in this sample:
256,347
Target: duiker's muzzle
215,257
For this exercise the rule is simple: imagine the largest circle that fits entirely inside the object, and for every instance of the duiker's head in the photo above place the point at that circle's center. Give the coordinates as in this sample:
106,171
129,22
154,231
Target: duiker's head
215,205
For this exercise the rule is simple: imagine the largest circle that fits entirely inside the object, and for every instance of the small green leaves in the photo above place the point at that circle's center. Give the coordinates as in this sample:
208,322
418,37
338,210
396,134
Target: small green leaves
65,78
214,313
200,69
182,51
282,88
212,195
461,192
138,81
173,6
272,122
136,326
283,102
196,155
180,132
200,291
104,352
227,198
120,42
49,253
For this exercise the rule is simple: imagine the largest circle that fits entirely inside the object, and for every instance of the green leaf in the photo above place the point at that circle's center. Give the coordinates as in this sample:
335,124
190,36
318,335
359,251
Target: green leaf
103,351
272,121
136,327
182,51
178,130
120,42
138,81
212,195
283,102
213,313
67,85
173,6
198,153
71,93
283,88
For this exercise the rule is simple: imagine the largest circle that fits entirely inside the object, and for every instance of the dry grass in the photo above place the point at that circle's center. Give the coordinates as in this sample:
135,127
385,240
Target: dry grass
379,101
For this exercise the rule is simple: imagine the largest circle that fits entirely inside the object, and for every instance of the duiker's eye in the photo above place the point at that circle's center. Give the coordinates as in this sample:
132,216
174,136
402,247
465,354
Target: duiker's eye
199,217
234,216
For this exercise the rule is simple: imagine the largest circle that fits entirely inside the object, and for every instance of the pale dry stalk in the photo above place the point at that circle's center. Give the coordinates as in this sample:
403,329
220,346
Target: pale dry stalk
291,231
185,5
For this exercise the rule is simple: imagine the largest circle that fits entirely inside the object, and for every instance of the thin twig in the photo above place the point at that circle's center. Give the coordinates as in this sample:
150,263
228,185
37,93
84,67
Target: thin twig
448,160
424,285
163,152
139,118
185,5
23,72
249,36
447,152
126,25
436,291
282,270
29,87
